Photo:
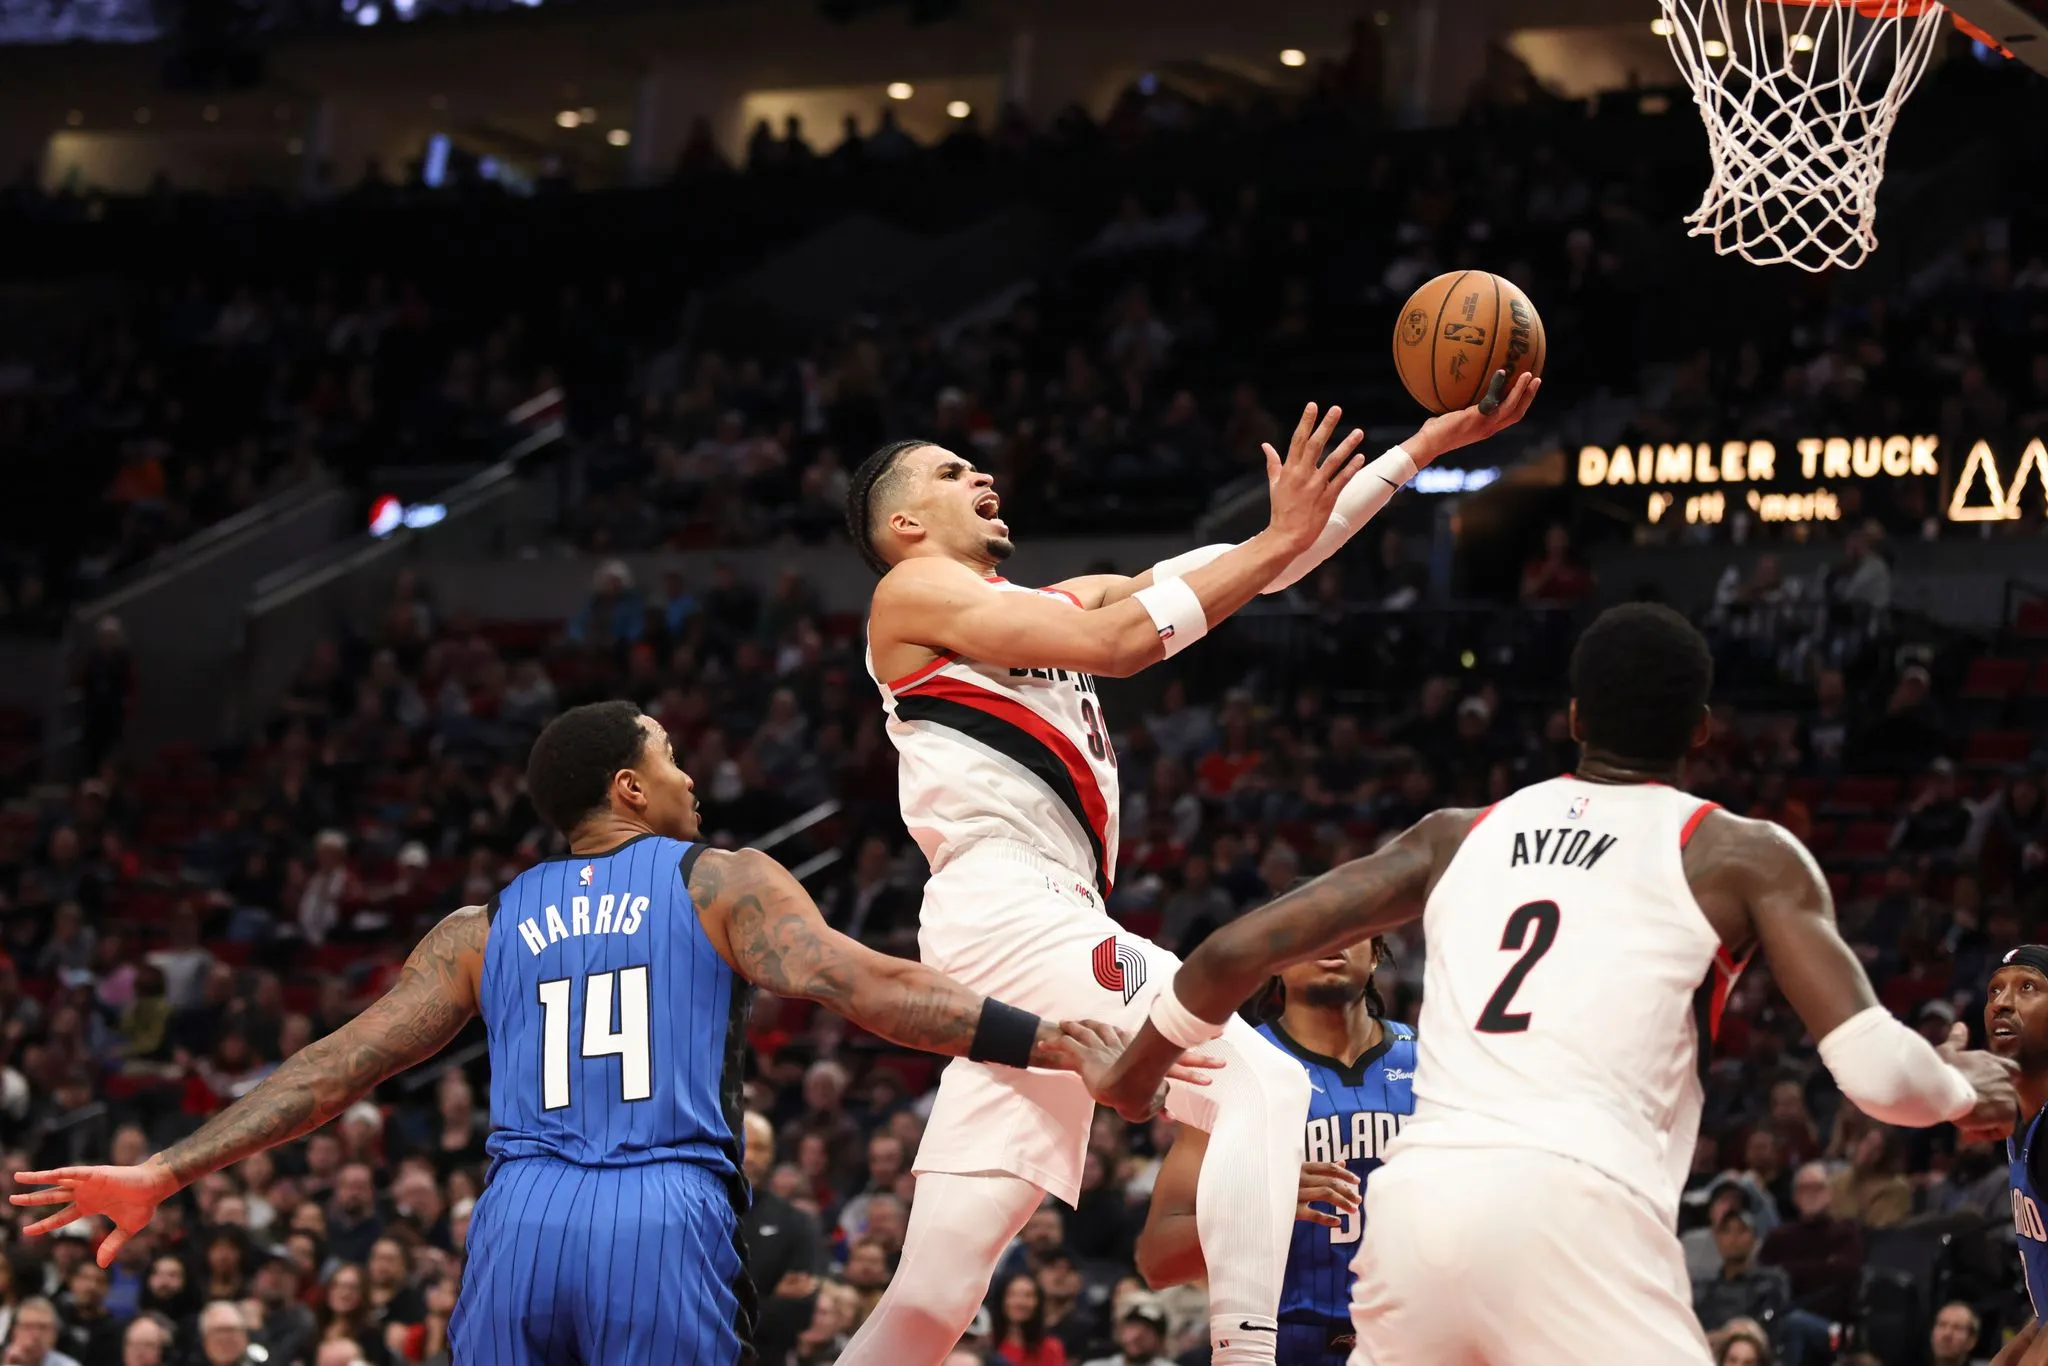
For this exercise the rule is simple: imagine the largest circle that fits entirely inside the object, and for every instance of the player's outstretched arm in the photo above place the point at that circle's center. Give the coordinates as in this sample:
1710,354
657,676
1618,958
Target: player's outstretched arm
1889,1070
1354,901
766,926
1502,406
943,606
434,997
1169,1248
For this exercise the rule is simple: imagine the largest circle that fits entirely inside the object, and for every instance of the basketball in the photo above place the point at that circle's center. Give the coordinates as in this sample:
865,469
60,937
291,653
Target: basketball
1455,331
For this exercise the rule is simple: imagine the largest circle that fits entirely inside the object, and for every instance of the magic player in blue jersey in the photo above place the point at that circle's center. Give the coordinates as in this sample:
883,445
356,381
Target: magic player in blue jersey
610,985
1361,1070
2016,1023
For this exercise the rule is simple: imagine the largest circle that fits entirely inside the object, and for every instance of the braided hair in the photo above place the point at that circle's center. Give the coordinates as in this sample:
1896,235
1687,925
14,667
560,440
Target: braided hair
1265,1007
873,473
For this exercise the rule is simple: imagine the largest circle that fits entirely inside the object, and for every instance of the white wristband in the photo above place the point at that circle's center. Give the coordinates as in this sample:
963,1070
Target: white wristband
1894,1075
1176,614
1177,1024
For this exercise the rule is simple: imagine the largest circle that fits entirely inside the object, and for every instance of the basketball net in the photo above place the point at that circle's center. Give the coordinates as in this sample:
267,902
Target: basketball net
1799,99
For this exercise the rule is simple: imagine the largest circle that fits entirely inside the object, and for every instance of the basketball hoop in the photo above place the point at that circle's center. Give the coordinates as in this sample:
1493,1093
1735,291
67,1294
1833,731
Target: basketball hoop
1799,99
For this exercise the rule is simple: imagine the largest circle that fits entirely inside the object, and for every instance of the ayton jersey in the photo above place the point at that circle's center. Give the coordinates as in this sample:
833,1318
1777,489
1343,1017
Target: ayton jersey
1572,985
615,1028
1011,754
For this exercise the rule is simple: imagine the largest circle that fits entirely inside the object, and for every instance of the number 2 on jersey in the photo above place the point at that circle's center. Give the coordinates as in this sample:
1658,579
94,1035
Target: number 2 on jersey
631,1042
1541,917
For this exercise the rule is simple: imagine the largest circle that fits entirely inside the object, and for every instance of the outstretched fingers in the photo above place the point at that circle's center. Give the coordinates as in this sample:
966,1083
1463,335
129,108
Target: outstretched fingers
56,1195
54,1222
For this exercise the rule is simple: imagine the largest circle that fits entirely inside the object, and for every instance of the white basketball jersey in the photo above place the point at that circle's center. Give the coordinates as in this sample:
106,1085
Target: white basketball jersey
1570,981
1012,754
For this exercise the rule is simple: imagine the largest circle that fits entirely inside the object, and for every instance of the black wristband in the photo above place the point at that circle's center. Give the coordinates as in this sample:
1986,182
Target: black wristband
1004,1035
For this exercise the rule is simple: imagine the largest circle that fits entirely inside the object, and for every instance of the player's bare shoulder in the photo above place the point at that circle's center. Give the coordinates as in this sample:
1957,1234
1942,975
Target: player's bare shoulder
1737,867
912,605
1435,839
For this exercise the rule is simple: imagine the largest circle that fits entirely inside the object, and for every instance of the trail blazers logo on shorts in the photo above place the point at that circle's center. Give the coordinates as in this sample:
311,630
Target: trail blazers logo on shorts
1119,967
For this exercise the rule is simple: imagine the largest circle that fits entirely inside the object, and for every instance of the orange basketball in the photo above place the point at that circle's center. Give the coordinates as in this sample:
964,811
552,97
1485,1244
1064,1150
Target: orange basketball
1455,331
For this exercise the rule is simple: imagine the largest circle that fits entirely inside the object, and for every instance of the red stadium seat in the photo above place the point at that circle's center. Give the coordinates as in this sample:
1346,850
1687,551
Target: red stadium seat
2038,685
1859,795
1993,748
1866,839
2032,618
1994,678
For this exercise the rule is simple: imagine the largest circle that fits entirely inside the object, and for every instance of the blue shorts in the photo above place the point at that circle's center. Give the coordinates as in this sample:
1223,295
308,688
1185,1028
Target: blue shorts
1305,1343
590,1266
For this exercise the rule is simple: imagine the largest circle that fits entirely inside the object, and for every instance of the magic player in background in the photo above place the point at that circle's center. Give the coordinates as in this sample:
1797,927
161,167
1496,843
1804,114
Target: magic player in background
1008,783
1583,935
611,985
1361,1072
2016,1026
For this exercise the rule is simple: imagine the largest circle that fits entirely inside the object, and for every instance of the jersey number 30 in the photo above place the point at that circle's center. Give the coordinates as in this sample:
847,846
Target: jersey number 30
1532,929
631,1042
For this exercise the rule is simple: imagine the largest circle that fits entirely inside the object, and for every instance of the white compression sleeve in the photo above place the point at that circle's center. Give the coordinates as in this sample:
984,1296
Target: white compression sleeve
1358,504
1893,1074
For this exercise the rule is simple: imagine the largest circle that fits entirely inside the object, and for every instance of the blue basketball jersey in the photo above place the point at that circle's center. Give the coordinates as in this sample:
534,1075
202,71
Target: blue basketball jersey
616,1031
2026,1211
1353,1114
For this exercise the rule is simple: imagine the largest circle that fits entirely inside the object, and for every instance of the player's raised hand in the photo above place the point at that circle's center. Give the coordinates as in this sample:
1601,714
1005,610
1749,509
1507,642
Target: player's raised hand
128,1196
1501,407
1304,486
1094,1048
1326,1183
1998,1103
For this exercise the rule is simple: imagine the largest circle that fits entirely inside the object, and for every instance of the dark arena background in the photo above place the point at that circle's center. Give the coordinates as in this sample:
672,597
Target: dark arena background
381,377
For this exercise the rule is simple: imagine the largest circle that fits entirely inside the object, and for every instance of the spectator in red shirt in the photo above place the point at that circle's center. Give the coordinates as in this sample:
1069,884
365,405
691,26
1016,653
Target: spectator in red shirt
1020,1336
1218,773
1555,579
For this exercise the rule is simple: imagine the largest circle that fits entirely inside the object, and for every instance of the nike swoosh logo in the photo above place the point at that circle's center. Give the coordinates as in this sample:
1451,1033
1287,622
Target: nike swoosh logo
1256,1328
1388,482
1315,1088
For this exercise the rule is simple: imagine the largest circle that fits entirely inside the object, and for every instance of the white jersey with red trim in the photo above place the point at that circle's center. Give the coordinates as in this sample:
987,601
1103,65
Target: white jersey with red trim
1022,755
1571,985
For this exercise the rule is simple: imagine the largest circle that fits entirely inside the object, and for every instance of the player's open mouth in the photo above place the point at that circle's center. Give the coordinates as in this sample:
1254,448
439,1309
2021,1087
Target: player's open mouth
985,508
1334,963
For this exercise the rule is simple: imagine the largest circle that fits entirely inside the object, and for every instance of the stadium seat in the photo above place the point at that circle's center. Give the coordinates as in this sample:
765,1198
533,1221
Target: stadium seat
1866,839
1994,678
1856,796
2031,620
1995,748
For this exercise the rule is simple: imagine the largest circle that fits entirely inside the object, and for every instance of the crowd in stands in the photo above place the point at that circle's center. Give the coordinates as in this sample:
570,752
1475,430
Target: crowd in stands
175,922
1211,288
179,922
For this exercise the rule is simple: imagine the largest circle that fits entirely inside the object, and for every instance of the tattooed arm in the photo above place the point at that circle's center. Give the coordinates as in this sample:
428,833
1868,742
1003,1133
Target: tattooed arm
762,922
1354,901
434,997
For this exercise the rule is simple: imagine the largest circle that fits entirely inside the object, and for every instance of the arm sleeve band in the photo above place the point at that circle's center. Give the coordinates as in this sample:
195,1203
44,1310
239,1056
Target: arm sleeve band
1893,1074
1176,614
1177,1024
1358,504
1004,1035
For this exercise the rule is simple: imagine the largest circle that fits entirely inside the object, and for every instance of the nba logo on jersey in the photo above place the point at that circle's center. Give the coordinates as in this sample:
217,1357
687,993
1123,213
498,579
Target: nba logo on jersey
1578,808
1119,967
589,872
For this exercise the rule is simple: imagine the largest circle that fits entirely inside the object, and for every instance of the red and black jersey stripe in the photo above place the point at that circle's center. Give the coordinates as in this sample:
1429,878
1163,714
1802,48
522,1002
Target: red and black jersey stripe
1021,735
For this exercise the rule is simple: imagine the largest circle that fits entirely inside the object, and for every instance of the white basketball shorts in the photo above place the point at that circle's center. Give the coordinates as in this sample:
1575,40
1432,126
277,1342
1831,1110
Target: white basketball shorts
1514,1257
1009,923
